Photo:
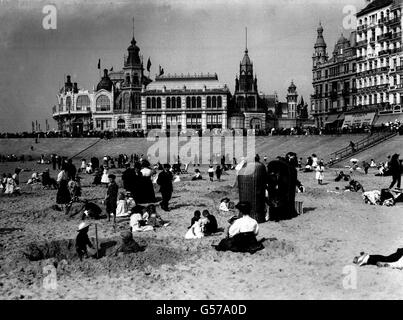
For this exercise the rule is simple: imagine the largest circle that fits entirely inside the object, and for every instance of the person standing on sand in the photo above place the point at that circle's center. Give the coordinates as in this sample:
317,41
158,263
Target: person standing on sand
395,170
63,196
165,182
218,172
319,172
111,198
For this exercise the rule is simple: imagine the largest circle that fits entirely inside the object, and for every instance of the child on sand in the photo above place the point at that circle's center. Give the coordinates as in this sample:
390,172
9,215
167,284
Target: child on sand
105,177
319,172
121,208
211,172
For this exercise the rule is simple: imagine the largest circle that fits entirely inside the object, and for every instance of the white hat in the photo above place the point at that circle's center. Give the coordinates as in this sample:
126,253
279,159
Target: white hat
83,225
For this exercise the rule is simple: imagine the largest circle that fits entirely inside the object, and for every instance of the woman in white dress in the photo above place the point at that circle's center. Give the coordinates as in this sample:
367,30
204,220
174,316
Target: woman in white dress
319,172
105,179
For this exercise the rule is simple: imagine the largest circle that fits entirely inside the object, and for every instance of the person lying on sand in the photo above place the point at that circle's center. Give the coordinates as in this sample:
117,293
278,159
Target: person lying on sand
82,240
395,260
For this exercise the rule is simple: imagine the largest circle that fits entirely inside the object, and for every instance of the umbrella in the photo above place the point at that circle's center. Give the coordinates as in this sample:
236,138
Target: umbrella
354,160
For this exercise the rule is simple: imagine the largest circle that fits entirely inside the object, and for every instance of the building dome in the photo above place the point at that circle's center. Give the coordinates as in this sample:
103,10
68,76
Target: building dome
342,40
292,87
105,83
133,46
320,41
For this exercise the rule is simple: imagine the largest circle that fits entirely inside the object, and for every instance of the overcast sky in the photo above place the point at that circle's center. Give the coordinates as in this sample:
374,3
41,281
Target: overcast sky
180,35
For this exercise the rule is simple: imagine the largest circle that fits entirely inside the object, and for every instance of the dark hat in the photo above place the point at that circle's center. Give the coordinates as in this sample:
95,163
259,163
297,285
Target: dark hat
244,207
112,176
167,166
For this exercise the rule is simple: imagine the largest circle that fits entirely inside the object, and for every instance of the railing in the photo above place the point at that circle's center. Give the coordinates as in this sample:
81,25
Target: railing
360,145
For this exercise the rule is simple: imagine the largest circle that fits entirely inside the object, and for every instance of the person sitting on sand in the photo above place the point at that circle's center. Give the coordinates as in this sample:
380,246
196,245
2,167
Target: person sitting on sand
154,219
97,177
137,224
372,164
34,178
224,205
209,223
197,175
47,181
395,260
242,232
130,203
195,231
11,186
127,245
82,240
195,218
91,210
121,207
88,168
105,176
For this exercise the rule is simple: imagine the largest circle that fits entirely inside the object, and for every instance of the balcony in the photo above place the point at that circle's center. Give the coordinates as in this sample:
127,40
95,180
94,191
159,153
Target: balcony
384,36
396,36
361,43
56,112
362,28
396,50
394,21
384,52
396,87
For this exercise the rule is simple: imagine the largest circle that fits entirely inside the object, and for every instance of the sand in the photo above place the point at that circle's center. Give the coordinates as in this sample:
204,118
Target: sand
306,260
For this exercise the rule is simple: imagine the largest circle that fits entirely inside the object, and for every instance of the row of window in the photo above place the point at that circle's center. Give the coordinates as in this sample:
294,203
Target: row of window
374,81
212,102
379,98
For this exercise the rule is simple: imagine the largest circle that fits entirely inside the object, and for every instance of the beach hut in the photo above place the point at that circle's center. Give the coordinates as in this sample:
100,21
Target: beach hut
252,179
281,182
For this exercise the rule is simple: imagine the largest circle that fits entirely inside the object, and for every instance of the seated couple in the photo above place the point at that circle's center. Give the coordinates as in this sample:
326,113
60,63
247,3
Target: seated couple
200,227
242,232
146,219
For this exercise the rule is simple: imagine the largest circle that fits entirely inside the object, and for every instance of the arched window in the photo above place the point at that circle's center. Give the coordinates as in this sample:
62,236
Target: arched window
61,105
158,103
187,102
209,102
178,102
198,102
153,103
214,102
193,102
103,103
83,103
168,102
121,124
148,103
68,103
219,102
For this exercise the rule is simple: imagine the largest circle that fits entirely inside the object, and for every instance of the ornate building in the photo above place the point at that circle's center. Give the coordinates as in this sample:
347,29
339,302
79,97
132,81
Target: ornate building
115,102
247,110
186,102
333,80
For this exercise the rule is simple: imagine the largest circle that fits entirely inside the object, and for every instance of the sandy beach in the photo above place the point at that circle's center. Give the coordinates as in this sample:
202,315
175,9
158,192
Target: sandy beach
304,258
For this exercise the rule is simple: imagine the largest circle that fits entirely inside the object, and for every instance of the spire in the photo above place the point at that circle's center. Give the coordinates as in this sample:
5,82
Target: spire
133,26
320,41
246,39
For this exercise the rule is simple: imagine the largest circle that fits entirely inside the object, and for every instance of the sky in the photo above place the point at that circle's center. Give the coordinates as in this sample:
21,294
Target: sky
183,36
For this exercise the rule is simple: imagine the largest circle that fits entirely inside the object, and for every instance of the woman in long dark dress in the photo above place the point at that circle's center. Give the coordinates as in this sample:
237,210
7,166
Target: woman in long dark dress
63,194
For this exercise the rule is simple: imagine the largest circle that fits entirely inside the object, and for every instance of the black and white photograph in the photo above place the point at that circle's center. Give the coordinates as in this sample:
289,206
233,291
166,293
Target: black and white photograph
189,150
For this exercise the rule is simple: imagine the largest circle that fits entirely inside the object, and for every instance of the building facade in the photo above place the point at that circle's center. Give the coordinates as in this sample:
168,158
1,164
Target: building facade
334,79
247,110
114,104
185,102
379,55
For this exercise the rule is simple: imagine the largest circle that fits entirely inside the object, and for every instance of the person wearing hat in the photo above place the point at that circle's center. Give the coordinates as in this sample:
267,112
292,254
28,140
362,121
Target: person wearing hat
245,223
395,170
111,197
165,182
197,175
242,232
82,240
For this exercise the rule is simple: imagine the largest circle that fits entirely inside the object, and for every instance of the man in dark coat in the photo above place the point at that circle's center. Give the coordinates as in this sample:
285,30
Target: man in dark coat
82,240
165,182
395,171
211,226
111,197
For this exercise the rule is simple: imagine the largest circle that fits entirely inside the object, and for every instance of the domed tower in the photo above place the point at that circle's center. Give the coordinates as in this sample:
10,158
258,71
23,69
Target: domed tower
292,97
105,83
133,79
320,55
341,44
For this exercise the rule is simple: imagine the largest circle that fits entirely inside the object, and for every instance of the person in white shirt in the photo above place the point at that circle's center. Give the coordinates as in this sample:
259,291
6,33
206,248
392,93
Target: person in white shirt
242,232
245,223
